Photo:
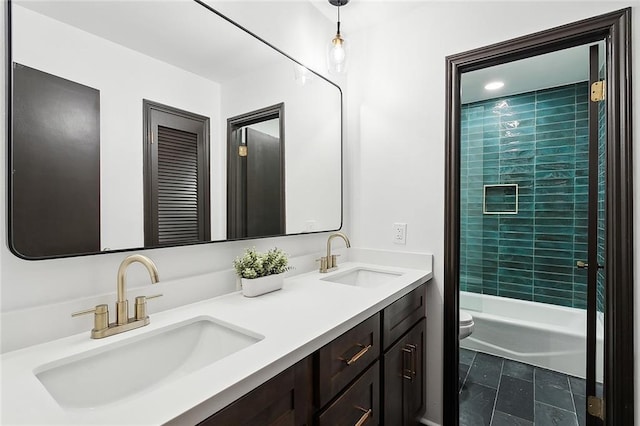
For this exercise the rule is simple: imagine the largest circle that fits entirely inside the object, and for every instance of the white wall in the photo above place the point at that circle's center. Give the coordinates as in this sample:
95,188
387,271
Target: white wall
124,78
396,114
311,140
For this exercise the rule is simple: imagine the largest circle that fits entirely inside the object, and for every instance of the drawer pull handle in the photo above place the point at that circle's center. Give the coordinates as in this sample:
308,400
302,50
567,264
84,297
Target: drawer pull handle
365,416
409,373
357,356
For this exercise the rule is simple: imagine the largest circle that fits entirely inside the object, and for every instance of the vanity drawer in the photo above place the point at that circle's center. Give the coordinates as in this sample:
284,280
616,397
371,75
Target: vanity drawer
358,405
402,314
342,360
283,400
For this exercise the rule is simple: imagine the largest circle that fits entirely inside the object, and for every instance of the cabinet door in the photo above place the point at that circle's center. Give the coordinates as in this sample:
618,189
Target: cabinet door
404,378
284,400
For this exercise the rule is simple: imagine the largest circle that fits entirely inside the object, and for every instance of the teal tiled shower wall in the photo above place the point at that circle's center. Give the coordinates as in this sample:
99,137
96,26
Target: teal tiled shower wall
539,141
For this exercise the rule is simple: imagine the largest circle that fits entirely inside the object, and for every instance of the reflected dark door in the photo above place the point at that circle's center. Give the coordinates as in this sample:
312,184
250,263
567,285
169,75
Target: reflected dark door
55,205
177,199
256,174
264,191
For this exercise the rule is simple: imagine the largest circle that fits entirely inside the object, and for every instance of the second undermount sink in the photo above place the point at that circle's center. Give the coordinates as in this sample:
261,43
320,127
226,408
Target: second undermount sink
363,277
115,372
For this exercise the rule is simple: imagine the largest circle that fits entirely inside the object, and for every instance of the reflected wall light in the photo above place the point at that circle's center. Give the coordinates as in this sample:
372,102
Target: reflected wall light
302,74
337,47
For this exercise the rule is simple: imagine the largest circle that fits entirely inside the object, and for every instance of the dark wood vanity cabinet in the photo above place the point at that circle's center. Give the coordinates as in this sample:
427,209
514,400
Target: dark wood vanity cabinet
371,375
403,361
285,400
383,359
404,378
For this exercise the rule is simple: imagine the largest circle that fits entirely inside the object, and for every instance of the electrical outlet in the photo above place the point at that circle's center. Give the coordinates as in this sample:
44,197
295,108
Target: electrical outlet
400,233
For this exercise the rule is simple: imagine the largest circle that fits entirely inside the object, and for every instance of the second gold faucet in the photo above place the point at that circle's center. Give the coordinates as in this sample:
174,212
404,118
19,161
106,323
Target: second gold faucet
122,304
329,262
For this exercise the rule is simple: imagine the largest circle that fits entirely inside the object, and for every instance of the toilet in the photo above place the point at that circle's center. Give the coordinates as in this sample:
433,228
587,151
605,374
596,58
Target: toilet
466,324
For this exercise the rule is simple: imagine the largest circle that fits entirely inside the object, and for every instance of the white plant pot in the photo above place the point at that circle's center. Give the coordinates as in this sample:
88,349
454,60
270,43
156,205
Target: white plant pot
257,286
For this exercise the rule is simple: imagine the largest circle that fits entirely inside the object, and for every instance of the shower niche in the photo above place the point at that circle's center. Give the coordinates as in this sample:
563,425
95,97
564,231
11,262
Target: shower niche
500,199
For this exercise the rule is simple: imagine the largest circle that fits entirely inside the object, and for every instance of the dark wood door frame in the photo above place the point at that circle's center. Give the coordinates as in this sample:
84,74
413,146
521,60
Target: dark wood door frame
615,29
235,202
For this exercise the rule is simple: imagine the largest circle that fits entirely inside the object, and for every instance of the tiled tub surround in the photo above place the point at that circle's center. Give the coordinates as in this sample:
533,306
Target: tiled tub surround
539,141
500,392
295,321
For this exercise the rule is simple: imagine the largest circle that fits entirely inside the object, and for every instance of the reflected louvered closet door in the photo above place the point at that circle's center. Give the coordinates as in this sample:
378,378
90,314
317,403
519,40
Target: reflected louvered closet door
178,218
176,177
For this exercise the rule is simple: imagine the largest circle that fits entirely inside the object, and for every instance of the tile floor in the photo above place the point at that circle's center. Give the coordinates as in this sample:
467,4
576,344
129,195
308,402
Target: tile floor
498,392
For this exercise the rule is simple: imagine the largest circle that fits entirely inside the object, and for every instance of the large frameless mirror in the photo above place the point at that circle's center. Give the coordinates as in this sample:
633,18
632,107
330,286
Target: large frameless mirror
125,132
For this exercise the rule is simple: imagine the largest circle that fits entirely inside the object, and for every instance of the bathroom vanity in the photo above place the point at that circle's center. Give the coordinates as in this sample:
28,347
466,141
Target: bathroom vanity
307,354
371,372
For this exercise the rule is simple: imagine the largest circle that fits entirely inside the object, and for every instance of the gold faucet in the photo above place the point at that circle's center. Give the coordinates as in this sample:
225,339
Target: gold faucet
329,262
101,326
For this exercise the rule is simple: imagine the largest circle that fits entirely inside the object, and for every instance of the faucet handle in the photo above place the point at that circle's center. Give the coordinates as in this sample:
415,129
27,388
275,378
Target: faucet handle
155,296
323,264
101,317
141,306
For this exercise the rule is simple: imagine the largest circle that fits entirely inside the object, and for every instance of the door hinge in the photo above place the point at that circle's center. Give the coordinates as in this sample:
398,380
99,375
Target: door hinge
598,90
242,151
595,407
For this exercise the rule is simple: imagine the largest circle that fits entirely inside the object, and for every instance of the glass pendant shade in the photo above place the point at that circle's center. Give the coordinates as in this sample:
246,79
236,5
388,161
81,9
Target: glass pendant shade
337,54
337,49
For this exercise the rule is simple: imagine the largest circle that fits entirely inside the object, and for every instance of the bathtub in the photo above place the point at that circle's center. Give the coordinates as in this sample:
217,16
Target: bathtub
539,334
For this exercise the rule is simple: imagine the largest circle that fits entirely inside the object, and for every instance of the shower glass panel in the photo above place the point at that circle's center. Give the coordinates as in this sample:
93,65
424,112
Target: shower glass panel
524,206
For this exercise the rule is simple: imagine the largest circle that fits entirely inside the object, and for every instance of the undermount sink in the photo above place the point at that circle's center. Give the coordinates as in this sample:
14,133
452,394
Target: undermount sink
118,371
363,277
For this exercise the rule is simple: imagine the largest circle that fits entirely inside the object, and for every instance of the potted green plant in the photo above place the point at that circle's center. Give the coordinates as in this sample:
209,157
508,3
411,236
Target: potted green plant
261,273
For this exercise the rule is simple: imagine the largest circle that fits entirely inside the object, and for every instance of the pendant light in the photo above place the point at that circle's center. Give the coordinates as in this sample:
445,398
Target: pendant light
337,47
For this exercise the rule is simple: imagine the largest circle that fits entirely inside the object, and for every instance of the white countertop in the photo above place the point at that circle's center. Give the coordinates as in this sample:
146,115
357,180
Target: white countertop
296,321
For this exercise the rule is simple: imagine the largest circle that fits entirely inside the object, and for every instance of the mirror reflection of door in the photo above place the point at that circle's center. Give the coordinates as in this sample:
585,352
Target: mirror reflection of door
55,207
256,196
176,176
532,259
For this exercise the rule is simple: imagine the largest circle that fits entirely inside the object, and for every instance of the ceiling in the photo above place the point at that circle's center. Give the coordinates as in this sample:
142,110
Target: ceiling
178,32
361,14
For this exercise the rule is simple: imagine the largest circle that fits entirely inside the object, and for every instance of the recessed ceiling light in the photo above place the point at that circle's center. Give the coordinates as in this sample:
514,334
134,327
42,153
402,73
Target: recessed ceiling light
494,85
